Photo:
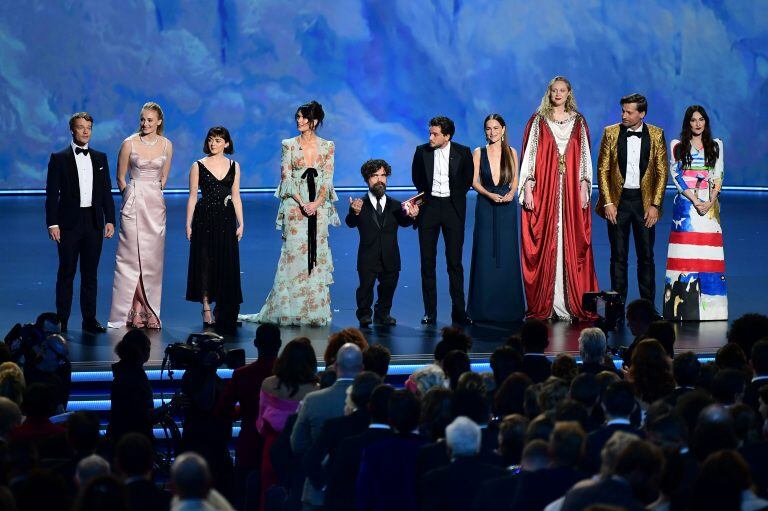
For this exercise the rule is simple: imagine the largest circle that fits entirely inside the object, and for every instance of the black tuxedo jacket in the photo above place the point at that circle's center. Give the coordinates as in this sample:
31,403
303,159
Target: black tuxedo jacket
62,191
455,486
460,173
333,432
537,367
378,247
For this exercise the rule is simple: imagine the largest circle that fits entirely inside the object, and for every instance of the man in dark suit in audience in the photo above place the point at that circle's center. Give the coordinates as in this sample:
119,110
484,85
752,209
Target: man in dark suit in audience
320,406
760,366
343,467
377,218
354,422
454,487
686,369
618,405
134,460
535,337
79,213
498,494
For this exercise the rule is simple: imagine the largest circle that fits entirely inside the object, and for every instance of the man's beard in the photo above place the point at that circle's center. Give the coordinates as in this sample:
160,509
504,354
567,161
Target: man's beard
378,190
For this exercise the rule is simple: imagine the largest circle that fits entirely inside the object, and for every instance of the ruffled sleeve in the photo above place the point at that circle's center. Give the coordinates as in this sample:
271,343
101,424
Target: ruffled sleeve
288,187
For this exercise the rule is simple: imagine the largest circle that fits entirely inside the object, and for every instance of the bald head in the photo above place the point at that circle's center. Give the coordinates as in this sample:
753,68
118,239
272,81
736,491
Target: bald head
349,361
10,416
190,476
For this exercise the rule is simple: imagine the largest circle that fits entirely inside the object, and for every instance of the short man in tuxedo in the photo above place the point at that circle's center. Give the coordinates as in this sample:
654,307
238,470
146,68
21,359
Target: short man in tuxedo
632,174
443,171
377,218
79,211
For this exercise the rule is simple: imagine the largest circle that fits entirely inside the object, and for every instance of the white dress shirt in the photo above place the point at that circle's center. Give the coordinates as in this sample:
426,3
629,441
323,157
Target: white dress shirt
84,176
632,179
440,179
372,198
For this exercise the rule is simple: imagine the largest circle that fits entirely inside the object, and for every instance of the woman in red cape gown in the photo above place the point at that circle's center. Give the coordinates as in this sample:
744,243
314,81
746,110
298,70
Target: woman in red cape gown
556,222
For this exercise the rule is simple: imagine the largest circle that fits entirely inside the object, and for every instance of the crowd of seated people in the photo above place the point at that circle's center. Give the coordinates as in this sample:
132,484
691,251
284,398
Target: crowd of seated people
661,431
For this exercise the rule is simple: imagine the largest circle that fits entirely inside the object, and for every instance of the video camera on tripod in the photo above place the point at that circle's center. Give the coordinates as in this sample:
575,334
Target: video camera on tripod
201,350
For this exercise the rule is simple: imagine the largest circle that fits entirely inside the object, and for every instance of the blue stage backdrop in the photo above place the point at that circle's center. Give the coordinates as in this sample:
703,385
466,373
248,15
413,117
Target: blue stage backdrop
380,68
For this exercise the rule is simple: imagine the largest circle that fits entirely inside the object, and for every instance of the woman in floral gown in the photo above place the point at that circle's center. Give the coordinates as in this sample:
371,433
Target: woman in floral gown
300,294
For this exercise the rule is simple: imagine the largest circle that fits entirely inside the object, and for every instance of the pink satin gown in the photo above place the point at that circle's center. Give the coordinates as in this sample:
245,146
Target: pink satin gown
142,238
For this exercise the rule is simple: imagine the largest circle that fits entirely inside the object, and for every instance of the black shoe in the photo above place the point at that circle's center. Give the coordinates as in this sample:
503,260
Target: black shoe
93,326
462,319
384,321
365,322
428,319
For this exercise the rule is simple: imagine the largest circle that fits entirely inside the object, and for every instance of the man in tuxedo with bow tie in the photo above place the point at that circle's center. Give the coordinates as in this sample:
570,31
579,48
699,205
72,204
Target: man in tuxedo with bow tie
377,218
631,175
443,170
79,213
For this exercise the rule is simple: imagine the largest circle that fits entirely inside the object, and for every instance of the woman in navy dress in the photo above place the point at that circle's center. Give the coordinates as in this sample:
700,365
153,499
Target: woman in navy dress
495,284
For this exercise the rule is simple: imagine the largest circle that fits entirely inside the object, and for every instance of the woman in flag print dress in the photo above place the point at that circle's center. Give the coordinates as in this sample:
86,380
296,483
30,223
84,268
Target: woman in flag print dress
695,285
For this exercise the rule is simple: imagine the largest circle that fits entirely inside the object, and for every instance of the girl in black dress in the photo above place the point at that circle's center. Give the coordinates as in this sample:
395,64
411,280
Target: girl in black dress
214,227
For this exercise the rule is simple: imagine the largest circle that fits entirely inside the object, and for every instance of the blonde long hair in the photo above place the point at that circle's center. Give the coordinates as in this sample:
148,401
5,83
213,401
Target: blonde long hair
151,105
545,107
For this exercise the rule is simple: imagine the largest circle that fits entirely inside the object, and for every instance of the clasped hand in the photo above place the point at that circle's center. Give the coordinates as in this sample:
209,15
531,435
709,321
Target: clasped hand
310,208
703,207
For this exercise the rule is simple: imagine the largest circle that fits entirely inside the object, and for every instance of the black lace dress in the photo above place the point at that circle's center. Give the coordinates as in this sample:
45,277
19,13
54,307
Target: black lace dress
214,257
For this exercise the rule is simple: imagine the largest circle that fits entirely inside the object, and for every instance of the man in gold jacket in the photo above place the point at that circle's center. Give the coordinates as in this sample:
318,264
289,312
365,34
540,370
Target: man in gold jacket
631,175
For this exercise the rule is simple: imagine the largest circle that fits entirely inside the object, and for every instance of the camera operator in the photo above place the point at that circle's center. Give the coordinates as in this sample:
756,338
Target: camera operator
206,432
131,395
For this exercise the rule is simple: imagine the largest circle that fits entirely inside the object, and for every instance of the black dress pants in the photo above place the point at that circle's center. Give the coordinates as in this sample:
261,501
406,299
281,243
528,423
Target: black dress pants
630,215
83,241
439,214
385,292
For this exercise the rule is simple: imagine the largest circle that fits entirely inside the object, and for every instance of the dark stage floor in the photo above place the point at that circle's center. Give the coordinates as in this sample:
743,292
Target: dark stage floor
28,273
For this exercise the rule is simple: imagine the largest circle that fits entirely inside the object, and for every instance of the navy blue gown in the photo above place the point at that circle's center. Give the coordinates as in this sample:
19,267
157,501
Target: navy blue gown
495,283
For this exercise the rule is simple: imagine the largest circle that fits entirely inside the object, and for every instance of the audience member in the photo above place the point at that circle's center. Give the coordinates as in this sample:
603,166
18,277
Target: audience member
12,383
338,339
760,368
618,403
535,338
510,398
585,389
504,361
512,431
747,330
38,405
685,370
664,332
725,483
192,485
135,461
436,413
102,492
89,468
651,372
731,356
425,378
564,367
728,387
592,349
376,358
455,363
640,314
10,418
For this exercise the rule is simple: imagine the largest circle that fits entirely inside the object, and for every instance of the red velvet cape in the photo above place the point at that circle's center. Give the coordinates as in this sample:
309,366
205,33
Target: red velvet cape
539,228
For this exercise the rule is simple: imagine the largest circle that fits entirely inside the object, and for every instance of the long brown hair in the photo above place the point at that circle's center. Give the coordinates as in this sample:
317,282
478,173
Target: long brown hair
507,166
683,149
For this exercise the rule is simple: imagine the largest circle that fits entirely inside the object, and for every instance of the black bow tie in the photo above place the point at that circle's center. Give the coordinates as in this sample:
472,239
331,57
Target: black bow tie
80,150
638,134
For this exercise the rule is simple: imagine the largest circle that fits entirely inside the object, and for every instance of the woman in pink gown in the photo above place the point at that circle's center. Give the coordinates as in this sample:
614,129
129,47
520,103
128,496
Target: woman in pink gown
295,376
138,284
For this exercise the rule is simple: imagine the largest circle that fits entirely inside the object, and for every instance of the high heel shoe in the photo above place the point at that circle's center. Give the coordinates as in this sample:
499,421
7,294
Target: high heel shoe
132,319
207,324
148,321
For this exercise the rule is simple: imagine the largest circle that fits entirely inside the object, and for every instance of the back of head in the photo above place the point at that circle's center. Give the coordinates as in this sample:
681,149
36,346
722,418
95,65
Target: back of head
362,388
689,407
190,476
10,416
133,348
728,386
42,490
267,340
462,436
473,381
723,478
425,378
539,428
134,455
572,411
535,455
664,332
731,356
456,339
103,493
651,371
376,358
338,339
296,365
471,404
592,345
747,330
686,369
553,391
436,412
714,431
566,443
39,401
512,438
403,411
564,367
585,389
349,361
535,336
619,399
83,431
378,404
760,357
510,398
455,363
640,314
505,361
668,431
615,445
641,464
90,467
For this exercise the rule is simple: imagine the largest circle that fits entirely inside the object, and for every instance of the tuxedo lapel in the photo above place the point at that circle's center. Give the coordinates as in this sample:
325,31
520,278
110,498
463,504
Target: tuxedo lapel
621,151
72,170
94,187
429,167
645,150
371,211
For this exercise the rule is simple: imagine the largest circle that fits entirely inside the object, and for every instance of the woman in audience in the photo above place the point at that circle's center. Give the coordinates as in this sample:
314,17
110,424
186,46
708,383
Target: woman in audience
12,383
651,372
725,483
295,376
436,412
424,379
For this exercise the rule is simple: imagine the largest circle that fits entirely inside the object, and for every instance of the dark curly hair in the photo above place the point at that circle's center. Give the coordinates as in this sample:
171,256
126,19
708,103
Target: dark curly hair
445,124
371,167
312,111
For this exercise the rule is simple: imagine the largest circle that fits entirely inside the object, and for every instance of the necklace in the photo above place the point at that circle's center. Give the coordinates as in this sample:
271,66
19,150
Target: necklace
149,143
564,121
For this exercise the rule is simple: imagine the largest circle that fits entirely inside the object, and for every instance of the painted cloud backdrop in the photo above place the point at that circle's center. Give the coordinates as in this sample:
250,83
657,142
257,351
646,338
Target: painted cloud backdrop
380,68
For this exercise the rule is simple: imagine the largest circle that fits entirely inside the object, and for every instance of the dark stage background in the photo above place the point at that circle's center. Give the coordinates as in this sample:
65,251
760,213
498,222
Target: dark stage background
380,68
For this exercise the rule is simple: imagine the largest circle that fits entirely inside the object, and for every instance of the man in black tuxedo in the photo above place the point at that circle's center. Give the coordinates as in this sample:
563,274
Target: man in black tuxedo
442,171
78,209
377,217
